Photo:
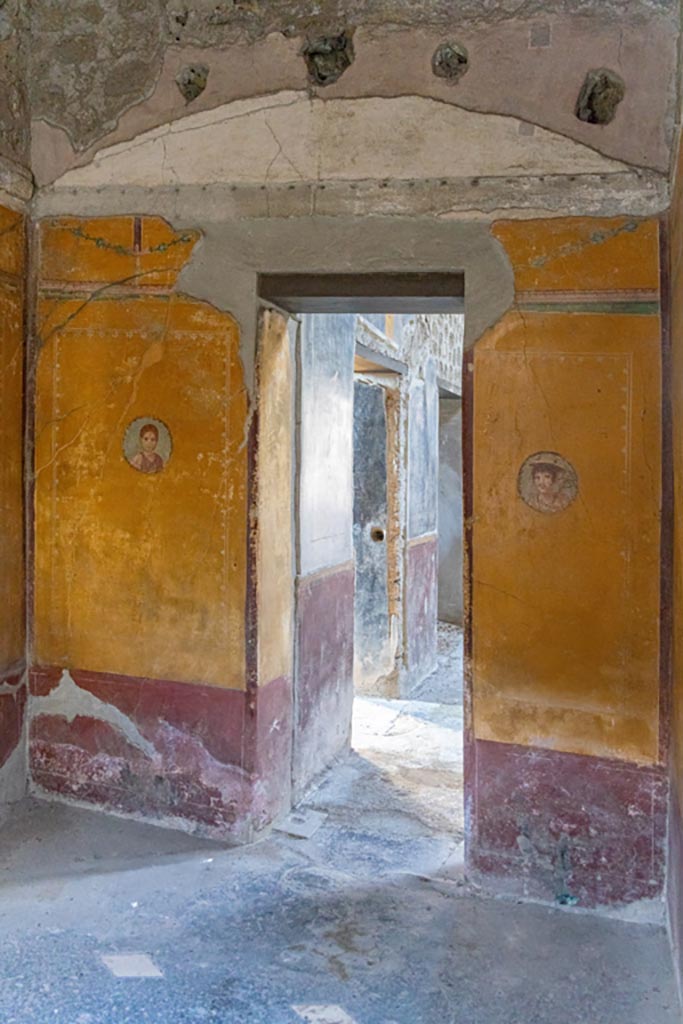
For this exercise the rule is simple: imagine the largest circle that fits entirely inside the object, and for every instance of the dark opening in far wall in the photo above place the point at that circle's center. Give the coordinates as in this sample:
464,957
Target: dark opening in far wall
365,293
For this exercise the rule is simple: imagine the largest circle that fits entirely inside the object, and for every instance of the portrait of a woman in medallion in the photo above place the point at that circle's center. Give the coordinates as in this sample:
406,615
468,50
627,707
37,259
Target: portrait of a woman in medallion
147,445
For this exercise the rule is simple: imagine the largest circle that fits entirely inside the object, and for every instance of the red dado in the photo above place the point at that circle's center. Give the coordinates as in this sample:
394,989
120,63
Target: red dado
210,759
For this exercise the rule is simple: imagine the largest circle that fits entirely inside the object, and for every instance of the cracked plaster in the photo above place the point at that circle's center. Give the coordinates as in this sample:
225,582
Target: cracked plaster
69,701
104,70
289,137
14,114
394,58
90,60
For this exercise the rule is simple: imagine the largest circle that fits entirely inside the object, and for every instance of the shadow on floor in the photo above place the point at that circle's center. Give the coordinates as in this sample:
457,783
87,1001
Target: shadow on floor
293,930
43,840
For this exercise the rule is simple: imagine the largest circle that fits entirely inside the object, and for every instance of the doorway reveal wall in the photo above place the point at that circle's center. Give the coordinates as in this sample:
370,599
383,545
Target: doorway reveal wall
422,548
325,572
425,349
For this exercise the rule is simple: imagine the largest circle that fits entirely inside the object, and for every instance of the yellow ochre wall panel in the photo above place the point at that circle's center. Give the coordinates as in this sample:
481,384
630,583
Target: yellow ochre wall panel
566,602
274,571
582,254
137,573
11,437
677,415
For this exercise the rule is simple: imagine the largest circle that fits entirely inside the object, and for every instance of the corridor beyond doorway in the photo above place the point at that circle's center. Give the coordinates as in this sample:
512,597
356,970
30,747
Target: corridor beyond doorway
373,432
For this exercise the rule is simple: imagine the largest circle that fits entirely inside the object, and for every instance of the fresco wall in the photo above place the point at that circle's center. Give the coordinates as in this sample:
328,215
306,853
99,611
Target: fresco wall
325,573
567,787
142,698
157,690
12,616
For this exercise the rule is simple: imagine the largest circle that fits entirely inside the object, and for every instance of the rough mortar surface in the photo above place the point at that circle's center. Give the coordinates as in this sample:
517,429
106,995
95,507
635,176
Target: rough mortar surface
93,60
208,23
14,114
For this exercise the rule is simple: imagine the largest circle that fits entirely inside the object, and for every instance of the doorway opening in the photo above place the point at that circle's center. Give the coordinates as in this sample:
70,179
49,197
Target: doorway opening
408,555
378,725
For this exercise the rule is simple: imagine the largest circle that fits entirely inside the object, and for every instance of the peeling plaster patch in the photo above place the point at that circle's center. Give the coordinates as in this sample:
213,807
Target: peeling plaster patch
91,60
13,688
69,701
185,787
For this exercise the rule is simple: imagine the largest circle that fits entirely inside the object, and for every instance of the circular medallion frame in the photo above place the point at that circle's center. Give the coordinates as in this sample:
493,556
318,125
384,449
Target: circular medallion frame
547,482
147,445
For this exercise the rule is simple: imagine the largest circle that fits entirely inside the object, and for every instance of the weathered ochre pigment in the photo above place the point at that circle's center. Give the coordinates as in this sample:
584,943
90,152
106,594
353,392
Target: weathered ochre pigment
11,437
566,602
142,575
12,569
675,874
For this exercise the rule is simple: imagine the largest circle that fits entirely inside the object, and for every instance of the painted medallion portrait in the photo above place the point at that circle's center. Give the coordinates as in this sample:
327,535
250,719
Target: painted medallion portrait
147,445
547,482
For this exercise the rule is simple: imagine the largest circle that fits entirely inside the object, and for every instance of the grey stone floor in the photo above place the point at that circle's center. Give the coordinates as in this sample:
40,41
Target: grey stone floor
406,771
355,910
406,768
367,921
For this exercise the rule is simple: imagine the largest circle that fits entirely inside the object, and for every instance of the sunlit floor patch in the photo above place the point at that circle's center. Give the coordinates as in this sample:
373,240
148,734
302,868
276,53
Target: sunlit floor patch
324,1015
300,823
131,965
